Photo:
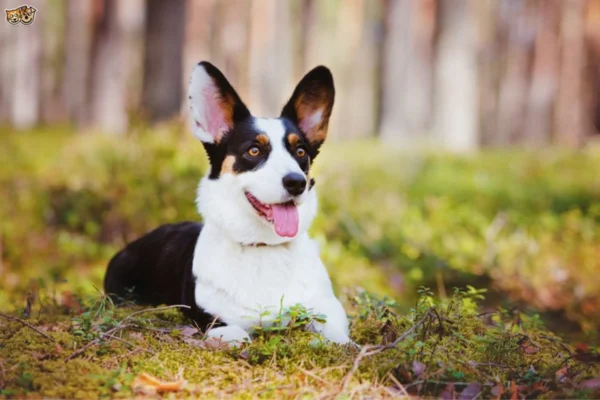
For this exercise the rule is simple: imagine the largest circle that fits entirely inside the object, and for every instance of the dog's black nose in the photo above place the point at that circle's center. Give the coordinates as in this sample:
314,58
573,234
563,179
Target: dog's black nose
294,183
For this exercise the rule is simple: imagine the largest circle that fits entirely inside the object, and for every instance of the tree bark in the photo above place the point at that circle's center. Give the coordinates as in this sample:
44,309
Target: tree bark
572,126
544,78
77,59
271,57
165,28
456,105
117,54
27,58
407,71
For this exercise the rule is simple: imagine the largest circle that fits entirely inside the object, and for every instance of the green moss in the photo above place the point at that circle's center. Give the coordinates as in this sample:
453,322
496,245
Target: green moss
451,344
523,224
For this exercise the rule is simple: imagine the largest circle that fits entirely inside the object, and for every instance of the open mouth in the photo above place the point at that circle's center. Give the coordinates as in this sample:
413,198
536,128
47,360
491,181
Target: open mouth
284,216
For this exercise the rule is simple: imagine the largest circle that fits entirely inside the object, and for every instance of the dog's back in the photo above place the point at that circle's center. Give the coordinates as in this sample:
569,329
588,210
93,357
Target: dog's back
157,269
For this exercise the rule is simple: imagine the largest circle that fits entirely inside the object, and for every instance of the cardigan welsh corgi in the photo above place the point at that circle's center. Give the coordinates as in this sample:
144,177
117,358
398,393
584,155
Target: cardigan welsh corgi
253,253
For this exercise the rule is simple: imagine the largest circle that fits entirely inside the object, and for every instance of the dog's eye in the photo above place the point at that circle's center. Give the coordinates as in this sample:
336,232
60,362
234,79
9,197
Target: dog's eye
300,152
253,151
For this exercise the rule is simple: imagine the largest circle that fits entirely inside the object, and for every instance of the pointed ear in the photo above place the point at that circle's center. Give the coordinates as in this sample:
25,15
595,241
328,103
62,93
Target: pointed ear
215,107
311,104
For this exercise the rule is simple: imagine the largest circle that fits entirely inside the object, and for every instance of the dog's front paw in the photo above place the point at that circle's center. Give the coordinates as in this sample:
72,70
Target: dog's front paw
232,335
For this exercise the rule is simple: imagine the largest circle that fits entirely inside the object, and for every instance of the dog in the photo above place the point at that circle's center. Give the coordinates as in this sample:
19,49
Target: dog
27,15
252,255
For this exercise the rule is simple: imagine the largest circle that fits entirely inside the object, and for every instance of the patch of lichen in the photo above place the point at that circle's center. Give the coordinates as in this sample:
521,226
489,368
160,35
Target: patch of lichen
449,342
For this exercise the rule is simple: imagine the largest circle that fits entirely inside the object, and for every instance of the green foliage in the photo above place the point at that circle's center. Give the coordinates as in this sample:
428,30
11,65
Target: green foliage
97,319
446,343
523,225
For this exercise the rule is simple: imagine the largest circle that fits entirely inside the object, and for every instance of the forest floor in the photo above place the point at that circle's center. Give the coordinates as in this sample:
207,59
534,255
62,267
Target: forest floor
520,227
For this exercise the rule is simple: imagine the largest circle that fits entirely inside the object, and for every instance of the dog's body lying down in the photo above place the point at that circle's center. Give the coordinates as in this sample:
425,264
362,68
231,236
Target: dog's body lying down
253,255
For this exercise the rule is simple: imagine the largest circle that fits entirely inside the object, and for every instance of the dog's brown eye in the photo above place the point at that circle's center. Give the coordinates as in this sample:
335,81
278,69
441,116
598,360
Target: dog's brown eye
254,151
300,152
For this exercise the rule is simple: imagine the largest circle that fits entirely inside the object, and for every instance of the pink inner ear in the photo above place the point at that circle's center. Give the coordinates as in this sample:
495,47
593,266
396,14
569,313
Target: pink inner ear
214,113
310,121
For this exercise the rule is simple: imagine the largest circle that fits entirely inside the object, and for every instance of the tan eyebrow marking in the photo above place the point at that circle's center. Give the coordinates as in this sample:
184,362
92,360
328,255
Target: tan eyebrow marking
263,139
293,139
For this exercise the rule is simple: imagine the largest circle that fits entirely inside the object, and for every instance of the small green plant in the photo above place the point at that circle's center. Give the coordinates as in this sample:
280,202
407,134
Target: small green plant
368,304
289,318
95,320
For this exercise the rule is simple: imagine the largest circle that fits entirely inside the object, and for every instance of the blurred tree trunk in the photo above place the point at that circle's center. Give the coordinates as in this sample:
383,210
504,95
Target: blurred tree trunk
544,78
518,33
117,53
271,56
345,36
572,126
165,28
231,41
8,50
592,36
199,27
26,89
77,59
456,104
358,32
490,68
54,23
407,70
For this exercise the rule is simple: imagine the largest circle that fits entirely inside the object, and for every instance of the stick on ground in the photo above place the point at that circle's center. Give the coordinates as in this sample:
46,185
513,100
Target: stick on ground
19,320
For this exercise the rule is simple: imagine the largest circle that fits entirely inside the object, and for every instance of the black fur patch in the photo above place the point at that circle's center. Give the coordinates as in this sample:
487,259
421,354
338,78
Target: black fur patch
157,269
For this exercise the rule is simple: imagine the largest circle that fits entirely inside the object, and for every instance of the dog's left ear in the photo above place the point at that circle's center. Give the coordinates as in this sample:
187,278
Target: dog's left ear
311,104
215,107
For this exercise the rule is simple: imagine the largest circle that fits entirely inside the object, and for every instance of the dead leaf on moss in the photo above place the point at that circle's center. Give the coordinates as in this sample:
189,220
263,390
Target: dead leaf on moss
418,368
189,331
561,375
449,393
593,383
498,391
471,391
145,383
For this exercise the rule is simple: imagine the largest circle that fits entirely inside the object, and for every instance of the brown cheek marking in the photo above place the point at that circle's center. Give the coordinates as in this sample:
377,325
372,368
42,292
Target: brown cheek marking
263,140
227,166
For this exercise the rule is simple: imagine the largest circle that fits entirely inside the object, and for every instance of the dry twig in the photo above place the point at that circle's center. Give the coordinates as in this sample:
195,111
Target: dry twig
19,320
370,350
110,333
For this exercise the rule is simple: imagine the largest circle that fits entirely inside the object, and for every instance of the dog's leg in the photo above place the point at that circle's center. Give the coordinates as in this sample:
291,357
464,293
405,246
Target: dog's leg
335,328
231,334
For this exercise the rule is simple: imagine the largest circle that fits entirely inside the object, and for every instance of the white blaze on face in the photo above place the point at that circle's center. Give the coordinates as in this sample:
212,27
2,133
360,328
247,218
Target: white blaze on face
266,183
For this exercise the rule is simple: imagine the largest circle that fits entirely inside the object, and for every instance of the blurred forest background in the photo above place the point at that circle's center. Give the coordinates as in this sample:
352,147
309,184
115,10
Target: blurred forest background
458,73
95,148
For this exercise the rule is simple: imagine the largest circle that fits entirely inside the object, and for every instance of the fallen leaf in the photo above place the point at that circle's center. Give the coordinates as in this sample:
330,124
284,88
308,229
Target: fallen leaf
189,331
514,391
593,383
498,391
449,393
471,391
146,383
418,368
561,375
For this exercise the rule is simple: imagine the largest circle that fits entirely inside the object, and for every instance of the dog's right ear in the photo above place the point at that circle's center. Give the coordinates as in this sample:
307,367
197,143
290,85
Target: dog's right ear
215,107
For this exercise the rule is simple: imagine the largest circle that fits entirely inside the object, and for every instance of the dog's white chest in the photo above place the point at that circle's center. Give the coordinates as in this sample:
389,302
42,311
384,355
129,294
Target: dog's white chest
247,285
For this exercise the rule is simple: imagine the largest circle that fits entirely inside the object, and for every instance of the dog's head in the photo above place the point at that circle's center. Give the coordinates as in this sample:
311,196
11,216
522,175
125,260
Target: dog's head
259,188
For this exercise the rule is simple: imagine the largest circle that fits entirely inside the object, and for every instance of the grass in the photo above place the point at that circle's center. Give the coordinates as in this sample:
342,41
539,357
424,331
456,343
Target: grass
522,225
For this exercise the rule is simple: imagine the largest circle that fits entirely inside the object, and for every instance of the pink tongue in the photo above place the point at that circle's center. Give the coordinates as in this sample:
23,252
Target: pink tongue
285,217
